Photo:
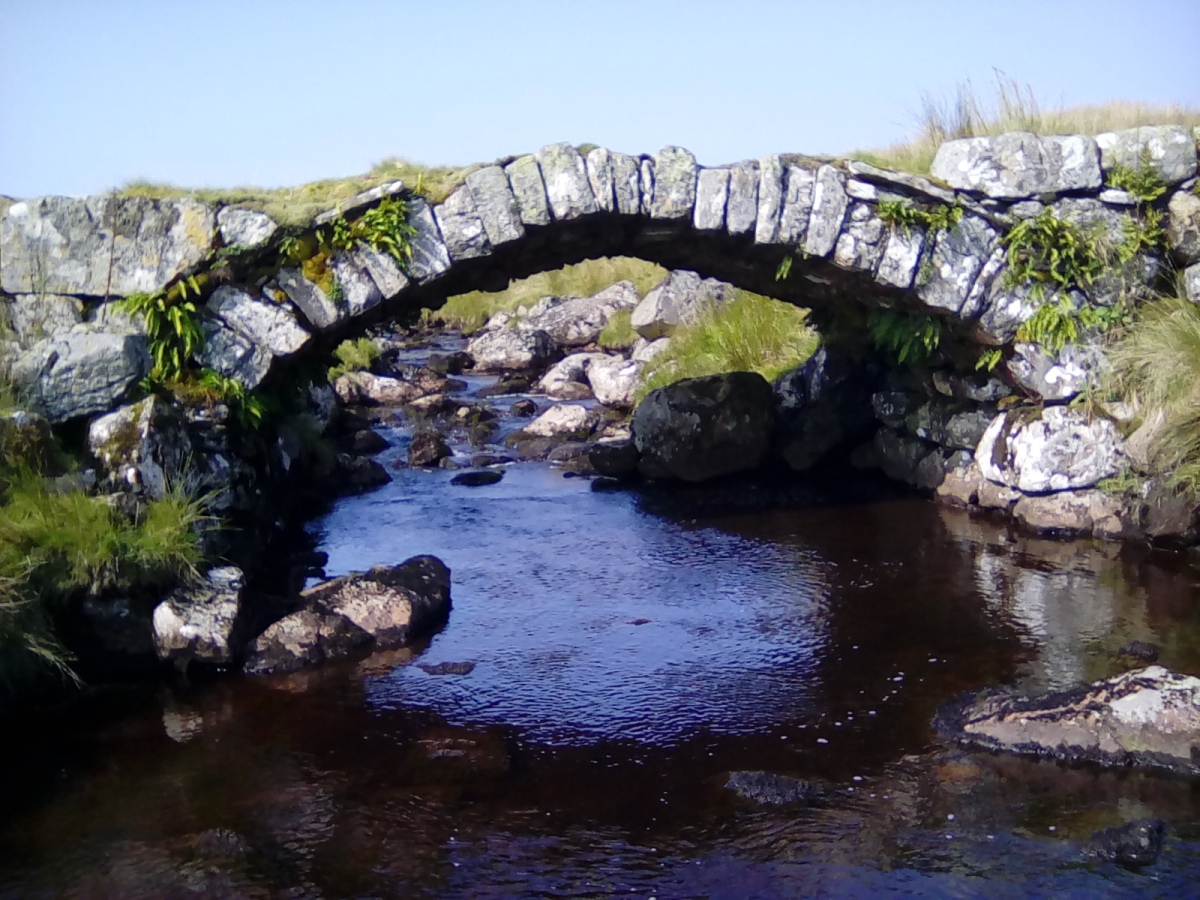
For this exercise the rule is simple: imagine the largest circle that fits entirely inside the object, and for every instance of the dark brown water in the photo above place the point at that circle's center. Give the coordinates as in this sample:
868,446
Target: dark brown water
628,656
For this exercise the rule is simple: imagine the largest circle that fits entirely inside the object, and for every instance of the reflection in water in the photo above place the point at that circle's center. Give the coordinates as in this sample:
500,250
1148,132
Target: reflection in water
627,658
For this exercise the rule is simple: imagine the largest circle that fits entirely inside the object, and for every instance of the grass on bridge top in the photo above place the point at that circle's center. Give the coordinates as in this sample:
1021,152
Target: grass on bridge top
1014,107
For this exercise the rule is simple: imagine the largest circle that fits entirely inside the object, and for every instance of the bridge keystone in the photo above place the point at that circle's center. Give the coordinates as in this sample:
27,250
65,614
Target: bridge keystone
674,184
567,185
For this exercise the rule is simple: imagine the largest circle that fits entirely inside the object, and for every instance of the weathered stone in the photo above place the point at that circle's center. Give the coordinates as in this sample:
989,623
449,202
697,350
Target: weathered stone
958,254
234,355
79,372
575,321
903,180
322,313
901,458
822,405
393,604
525,179
970,387
478,478
770,789
892,408
567,185
990,275
1100,223
770,200
357,474
1168,149
1070,512
861,190
510,348
861,243
1005,310
1019,164
700,428
1113,197
679,299
712,195
828,211
1060,449
427,448
614,380
382,268
101,246
244,227
37,316
495,205
144,447
1183,225
461,227
563,379
741,209
646,183
430,258
674,184
627,190
799,185
901,252
614,459
368,389
961,486
359,292
644,350
1133,845
272,325
360,202
996,496
600,176
1191,282
1147,717
1055,377
198,623
565,421
304,639
949,424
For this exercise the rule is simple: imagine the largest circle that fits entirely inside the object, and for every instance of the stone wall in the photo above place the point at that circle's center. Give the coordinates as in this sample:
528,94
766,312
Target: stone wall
64,261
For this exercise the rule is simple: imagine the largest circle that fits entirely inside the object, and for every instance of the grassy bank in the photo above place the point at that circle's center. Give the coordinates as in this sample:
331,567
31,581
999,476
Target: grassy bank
1012,107
750,333
469,312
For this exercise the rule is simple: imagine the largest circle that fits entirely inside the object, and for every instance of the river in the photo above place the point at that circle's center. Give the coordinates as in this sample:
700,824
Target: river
629,651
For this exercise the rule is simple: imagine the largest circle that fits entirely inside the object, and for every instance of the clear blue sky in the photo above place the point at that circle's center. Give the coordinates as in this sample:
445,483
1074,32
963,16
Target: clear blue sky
94,93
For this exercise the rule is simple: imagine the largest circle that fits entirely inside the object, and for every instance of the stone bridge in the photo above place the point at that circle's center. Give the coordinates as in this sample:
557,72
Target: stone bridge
63,261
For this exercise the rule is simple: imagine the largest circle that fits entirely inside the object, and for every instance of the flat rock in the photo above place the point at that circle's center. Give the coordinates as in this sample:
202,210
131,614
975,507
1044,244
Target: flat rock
1070,512
829,204
245,227
1019,164
477,478
1169,149
958,256
1146,718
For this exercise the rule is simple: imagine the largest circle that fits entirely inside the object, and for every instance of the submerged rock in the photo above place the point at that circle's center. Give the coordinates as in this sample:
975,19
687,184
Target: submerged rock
1133,845
771,789
700,428
615,459
1143,650
1147,717
477,478
427,449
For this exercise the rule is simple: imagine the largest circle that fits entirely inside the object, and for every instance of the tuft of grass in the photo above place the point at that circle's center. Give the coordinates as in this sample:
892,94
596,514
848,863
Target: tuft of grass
618,333
1012,107
470,312
1156,366
296,207
749,333
353,356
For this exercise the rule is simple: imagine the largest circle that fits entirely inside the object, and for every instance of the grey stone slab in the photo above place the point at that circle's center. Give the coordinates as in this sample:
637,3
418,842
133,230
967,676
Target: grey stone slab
36,316
770,200
958,255
799,185
567,185
496,205
245,227
600,176
360,202
525,179
359,292
861,243
712,194
1019,164
861,190
828,211
430,258
461,228
993,268
321,312
741,211
1169,149
902,181
674,184
234,356
383,268
273,325
101,246
627,190
901,254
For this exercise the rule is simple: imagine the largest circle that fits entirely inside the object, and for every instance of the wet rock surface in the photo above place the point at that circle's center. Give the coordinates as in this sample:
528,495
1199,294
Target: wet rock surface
770,789
1133,845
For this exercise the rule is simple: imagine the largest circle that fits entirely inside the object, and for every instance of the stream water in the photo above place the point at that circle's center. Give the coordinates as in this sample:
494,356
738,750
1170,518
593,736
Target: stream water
629,651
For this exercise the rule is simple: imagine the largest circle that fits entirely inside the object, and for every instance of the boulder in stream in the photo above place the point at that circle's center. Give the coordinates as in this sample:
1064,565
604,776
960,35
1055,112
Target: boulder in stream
1133,845
1147,717
770,789
198,623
